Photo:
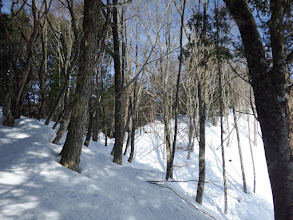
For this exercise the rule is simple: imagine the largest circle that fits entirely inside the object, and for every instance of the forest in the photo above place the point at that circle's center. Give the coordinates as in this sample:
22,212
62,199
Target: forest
91,66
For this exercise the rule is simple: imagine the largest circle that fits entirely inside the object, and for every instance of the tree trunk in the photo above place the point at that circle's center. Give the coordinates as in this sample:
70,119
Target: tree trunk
219,68
8,119
127,140
61,117
255,118
97,116
190,136
169,173
202,103
128,125
104,112
255,132
43,72
132,139
270,92
118,145
223,155
125,73
239,150
132,135
133,122
72,147
251,153
201,155
167,133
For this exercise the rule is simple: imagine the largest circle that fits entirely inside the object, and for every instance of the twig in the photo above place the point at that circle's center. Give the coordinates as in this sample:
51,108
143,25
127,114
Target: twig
151,151
226,137
183,199
185,181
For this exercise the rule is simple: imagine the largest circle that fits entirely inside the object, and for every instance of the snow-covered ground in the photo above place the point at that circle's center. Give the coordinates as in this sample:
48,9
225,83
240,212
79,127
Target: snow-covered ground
33,185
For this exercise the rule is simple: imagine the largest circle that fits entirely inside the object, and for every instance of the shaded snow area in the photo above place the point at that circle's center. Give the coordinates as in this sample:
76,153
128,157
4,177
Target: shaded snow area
33,185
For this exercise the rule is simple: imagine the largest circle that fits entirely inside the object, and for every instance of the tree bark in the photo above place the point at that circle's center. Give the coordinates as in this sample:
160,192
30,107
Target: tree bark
118,145
72,147
202,122
133,123
271,95
43,71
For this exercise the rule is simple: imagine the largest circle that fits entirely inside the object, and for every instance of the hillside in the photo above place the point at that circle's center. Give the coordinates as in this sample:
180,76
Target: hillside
33,185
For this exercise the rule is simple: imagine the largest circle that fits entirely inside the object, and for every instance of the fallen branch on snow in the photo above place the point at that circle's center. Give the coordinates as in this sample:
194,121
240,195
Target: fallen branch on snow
183,199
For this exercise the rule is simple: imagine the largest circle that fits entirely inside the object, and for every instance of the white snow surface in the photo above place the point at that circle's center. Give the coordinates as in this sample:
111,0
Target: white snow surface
33,185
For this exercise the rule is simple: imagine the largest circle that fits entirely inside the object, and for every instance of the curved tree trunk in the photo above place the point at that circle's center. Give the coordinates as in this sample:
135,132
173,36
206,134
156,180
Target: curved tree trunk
271,93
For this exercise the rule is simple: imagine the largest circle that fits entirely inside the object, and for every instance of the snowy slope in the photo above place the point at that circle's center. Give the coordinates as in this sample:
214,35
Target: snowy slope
241,206
33,185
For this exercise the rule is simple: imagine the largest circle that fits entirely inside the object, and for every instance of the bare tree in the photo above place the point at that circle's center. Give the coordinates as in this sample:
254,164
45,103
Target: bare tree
239,150
169,172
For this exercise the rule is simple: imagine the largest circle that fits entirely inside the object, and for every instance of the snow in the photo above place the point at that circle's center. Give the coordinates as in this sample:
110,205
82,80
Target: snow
33,185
